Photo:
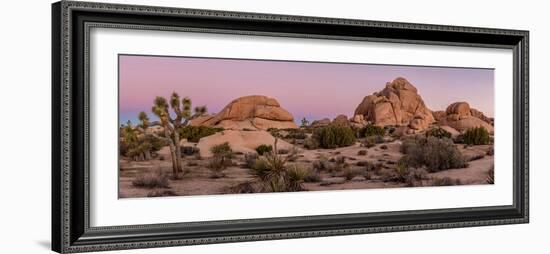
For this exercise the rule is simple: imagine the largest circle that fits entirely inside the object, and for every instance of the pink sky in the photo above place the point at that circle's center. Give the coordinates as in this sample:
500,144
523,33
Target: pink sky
306,89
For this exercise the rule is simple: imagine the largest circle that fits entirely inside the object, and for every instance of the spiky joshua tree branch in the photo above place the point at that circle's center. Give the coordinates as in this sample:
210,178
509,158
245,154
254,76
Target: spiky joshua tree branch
181,109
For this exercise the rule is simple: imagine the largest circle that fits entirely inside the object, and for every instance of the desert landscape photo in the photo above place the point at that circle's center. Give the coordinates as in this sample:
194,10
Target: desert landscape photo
203,126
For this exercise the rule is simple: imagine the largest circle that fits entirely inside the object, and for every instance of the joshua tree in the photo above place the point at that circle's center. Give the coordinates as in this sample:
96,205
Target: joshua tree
182,111
200,110
135,147
305,122
144,120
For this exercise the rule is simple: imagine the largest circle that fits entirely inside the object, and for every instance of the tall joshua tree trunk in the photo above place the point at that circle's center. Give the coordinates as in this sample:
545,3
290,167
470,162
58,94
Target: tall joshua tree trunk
177,150
182,111
175,165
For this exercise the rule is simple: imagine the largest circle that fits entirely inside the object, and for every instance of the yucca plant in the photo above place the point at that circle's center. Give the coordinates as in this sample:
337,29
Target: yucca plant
275,175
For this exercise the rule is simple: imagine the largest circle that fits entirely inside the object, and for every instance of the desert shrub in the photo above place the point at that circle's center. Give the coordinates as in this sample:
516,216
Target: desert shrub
151,180
261,149
293,154
476,136
321,164
438,133
246,187
371,141
220,160
313,176
222,150
156,142
350,173
250,159
334,136
445,181
189,150
311,143
371,130
433,153
389,129
296,134
362,163
362,152
161,193
194,133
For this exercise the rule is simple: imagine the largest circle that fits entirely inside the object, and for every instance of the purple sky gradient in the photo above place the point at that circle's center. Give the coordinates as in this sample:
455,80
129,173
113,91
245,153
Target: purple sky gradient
305,89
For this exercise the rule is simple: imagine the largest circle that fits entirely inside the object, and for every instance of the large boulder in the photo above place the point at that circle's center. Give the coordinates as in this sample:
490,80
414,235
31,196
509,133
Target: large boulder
481,116
459,108
461,117
341,120
397,104
254,112
240,141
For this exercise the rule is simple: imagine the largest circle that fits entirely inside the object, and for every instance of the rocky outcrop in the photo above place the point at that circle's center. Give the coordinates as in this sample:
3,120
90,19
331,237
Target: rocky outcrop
439,115
397,104
358,121
240,141
461,117
155,129
253,112
320,123
341,120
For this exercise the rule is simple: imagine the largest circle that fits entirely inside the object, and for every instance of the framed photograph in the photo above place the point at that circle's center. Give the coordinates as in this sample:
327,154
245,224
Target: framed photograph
181,126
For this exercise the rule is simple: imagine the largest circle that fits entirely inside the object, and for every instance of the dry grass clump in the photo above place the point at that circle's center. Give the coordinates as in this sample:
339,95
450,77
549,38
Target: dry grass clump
221,159
371,141
350,173
161,193
445,181
151,180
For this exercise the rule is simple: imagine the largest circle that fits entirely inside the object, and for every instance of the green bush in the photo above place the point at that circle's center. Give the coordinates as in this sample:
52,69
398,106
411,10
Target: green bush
311,143
222,150
221,159
264,149
296,134
433,153
438,133
194,133
333,136
476,136
371,130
